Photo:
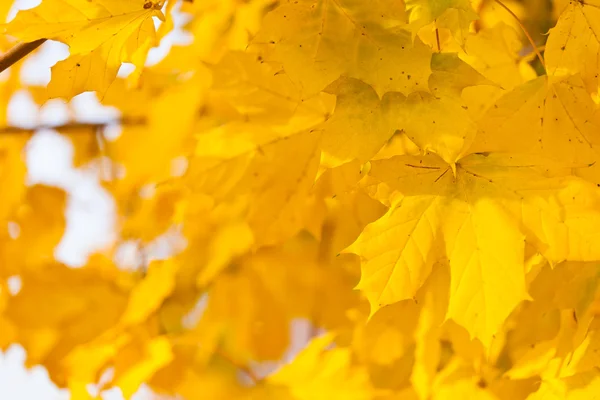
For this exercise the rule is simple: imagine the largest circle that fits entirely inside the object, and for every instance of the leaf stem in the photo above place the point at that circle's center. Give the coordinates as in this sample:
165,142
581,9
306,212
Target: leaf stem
535,48
19,51
437,39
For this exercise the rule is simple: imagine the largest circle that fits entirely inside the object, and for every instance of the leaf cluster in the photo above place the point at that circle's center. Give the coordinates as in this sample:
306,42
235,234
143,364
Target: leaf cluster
359,199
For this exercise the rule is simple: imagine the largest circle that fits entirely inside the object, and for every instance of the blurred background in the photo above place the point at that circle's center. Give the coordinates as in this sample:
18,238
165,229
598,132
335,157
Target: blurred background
90,212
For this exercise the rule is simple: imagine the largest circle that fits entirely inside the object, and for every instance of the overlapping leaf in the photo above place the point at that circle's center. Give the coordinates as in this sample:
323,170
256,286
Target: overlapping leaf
479,220
455,15
559,119
317,41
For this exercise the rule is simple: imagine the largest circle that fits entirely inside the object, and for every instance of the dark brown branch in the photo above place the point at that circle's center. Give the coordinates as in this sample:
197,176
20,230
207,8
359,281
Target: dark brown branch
19,51
73,127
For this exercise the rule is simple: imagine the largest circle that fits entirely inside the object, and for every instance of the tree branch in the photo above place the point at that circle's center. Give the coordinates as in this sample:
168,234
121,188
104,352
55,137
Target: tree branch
18,52
73,126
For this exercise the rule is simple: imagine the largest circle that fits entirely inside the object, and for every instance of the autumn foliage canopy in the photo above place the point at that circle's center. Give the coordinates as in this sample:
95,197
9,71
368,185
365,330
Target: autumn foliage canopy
362,199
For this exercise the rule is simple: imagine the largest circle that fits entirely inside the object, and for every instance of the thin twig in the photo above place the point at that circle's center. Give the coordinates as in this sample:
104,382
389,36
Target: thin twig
437,38
19,51
532,54
188,341
537,52
246,370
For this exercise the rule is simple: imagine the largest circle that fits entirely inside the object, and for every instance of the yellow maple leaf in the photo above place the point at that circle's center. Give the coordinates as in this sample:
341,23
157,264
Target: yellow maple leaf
437,125
543,334
317,373
450,75
157,354
361,123
455,15
254,89
266,173
187,375
137,142
101,35
348,210
13,173
251,305
385,341
147,296
316,41
4,9
224,25
429,331
479,220
159,207
555,119
560,313
494,52
228,243
573,44
577,387
59,298
41,223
